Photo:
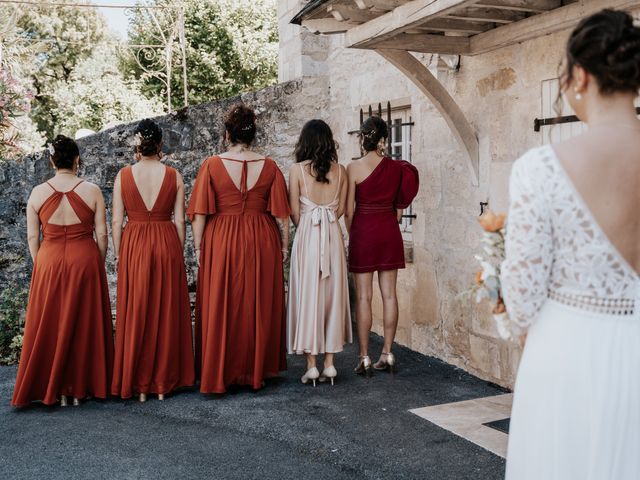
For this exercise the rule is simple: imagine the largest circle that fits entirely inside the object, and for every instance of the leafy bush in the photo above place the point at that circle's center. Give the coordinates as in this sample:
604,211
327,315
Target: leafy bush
13,302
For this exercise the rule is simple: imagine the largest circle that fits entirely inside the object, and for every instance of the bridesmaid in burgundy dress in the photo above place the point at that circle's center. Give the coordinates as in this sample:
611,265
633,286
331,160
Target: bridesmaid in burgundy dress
379,189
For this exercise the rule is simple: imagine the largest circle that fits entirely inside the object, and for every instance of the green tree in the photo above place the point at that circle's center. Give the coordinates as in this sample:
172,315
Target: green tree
96,95
231,47
68,36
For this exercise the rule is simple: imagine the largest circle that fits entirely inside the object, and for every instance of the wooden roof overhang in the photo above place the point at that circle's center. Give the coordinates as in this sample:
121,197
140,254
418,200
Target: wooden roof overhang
393,28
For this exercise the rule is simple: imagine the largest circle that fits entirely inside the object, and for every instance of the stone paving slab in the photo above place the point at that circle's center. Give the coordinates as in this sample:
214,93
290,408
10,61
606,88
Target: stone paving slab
358,429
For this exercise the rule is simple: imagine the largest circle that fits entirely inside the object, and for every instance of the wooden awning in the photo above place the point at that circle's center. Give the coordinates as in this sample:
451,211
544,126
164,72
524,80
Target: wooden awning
460,27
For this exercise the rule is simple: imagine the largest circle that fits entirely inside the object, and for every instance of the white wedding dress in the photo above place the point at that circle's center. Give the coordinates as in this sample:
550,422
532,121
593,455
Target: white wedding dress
576,407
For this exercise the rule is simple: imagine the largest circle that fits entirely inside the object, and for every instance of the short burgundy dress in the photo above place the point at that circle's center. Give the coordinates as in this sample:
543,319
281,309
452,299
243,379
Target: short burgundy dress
375,241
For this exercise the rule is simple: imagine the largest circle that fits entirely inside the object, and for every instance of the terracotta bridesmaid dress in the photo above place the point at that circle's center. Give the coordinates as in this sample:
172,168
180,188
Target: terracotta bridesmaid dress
154,349
68,337
240,311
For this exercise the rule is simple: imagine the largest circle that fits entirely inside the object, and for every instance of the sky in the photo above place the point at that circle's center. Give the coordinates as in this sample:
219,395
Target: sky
116,18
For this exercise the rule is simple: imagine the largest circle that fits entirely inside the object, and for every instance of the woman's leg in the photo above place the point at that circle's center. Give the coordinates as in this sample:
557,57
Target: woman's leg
387,280
328,360
364,293
311,361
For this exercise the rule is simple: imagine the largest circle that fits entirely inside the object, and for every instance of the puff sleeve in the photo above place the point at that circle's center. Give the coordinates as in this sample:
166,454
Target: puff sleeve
409,184
203,196
278,195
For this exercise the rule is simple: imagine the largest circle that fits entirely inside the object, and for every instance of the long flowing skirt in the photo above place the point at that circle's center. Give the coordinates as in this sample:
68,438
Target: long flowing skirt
318,313
240,316
576,408
154,347
68,337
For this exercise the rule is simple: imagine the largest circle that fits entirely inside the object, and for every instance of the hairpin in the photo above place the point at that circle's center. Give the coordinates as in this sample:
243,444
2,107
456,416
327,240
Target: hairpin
137,139
247,128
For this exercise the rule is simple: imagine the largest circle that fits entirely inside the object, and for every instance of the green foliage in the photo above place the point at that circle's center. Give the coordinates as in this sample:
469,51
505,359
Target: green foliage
97,95
13,302
67,36
231,47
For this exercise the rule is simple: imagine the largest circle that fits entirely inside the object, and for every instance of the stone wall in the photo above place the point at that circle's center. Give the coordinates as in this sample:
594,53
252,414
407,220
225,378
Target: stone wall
190,136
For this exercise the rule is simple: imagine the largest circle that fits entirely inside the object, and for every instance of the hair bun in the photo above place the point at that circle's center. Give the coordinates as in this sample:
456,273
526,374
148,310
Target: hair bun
607,45
65,151
149,136
373,130
240,124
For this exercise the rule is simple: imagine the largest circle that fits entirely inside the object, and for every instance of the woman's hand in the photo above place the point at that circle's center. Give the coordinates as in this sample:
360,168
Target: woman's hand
197,257
285,255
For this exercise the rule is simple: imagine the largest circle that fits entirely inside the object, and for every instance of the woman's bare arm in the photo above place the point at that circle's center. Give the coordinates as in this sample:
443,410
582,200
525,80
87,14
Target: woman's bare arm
117,216
100,222
33,226
284,228
294,194
351,197
178,210
344,190
197,227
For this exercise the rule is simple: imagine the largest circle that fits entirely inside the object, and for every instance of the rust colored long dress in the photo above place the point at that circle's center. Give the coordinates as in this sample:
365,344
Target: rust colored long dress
240,311
68,336
154,348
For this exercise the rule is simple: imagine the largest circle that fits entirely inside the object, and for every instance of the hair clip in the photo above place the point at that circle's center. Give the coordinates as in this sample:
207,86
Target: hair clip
247,128
137,139
51,148
370,133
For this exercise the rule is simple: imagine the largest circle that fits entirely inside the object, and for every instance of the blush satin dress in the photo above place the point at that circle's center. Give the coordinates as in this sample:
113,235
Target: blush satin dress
68,335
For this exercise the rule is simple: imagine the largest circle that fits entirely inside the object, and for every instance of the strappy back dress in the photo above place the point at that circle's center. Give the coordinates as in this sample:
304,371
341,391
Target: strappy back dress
240,312
318,312
154,349
68,336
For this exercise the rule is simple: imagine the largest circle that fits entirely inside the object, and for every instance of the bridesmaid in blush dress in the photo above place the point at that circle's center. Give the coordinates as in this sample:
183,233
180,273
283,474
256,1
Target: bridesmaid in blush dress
68,338
240,312
318,315
154,349
379,189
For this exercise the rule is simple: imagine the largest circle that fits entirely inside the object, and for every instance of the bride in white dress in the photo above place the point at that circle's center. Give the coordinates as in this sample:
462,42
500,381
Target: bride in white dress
571,277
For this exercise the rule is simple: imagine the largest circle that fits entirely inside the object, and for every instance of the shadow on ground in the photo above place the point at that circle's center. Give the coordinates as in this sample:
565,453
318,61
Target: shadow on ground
358,429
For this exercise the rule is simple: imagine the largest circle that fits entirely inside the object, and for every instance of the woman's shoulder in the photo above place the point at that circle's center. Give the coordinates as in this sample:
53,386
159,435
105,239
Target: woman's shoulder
537,166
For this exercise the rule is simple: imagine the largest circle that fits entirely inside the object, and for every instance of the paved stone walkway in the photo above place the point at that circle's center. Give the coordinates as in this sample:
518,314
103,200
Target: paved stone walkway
359,429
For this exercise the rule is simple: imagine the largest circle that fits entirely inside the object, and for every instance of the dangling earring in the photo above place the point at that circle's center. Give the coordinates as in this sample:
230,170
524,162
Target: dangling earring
381,148
578,94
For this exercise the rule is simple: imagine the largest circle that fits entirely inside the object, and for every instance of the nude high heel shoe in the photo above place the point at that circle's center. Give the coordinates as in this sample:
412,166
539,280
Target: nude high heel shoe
161,396
142,397
312,374
328,373
63,401
364,366
387,362
76,401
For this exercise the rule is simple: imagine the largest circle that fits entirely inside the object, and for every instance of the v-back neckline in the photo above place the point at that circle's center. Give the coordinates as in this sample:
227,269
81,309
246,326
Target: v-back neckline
591,217
239,189
137,189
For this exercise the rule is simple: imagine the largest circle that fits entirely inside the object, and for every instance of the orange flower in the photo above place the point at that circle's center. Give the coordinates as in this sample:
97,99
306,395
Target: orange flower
478,278
492,222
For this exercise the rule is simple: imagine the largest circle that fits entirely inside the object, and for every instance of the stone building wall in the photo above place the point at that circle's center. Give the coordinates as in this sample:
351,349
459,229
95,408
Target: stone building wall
501,94
190,136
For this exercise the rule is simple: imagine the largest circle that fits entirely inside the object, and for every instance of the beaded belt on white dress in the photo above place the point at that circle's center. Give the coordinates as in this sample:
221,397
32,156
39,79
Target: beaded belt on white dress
607,306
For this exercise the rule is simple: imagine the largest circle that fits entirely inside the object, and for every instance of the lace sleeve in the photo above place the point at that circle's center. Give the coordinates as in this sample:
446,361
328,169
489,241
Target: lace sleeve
526,270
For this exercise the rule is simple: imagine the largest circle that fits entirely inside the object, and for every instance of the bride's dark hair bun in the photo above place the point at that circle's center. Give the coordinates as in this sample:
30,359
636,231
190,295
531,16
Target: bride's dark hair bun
607,45
240,124
149,137
65,151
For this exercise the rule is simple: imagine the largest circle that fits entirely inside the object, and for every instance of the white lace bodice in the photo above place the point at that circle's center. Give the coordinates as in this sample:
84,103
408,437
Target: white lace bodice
554,244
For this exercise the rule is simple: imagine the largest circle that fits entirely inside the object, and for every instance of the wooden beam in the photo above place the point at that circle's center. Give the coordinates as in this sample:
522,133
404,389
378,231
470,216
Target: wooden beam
344,13
424,43
404,17
444,103
543,24
530,6
327,25
486,15
380,5
449,25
